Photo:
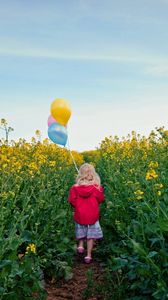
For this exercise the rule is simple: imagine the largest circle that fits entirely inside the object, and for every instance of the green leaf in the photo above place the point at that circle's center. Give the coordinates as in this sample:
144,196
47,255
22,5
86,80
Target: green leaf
27,236
155,240
119,263
2,290
5,263
163,225
152,254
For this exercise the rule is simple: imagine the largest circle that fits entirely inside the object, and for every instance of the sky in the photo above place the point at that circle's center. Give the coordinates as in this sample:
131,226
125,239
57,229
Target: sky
107,58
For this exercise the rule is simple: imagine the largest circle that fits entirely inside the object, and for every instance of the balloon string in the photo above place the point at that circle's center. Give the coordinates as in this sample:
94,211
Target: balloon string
72,157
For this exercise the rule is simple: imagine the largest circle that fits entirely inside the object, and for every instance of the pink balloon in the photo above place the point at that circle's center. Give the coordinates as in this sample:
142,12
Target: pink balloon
51,120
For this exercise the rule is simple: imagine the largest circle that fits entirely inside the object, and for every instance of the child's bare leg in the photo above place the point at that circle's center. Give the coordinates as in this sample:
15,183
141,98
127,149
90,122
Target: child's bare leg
81,243
89,247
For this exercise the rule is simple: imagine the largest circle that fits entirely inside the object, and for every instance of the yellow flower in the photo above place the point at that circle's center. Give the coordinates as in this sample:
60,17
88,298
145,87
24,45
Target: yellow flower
129,182
153,164
158,185
31,248
151,174
138,192
159,193
4,166
4,195
33,167
139,197
52,163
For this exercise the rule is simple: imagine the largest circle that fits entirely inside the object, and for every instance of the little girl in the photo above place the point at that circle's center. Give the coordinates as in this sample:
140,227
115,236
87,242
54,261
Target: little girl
85,196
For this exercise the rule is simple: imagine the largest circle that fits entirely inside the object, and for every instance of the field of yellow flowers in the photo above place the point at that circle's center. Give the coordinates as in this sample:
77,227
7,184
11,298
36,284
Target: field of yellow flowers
36,227
34,217
134,171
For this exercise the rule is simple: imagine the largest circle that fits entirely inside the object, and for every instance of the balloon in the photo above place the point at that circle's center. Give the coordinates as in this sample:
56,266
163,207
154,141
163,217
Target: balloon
51,120
57,134
61,111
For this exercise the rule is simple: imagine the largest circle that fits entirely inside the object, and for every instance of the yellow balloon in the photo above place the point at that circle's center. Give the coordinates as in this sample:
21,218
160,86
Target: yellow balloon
61,111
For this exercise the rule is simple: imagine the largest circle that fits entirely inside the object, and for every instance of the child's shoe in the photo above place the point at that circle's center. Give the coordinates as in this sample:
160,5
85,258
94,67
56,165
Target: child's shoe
80,250
88,259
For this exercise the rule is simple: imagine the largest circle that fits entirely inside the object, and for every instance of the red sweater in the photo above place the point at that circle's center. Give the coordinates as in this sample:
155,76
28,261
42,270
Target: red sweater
86,199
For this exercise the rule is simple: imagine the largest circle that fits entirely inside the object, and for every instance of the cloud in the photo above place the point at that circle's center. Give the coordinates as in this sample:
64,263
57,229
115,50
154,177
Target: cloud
158,70
126,57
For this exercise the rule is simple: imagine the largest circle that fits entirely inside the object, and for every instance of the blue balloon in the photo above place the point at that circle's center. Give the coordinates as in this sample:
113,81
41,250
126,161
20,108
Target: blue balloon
58,134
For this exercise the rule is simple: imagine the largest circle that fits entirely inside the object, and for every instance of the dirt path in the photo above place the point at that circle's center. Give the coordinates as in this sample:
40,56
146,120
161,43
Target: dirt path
81,286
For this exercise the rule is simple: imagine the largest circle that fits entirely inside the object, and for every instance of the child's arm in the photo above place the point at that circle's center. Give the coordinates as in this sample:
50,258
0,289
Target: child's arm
100,194
72,196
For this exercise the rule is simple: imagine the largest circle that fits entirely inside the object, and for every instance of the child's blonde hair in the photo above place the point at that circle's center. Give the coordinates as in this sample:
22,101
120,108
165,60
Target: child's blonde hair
87,175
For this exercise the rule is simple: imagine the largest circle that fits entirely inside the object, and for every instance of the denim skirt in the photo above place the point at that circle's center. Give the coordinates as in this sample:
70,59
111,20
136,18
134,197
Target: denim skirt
93,231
